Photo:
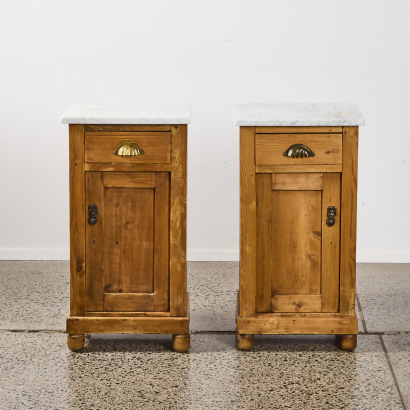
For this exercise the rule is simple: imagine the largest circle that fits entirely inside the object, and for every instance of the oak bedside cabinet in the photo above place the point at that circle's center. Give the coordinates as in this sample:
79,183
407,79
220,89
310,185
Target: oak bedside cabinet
298,194
128,184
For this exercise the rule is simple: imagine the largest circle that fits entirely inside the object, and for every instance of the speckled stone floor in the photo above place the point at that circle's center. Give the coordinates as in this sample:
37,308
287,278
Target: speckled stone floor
37,371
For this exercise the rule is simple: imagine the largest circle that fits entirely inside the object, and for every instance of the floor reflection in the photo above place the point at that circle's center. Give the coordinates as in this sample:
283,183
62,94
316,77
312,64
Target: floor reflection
128,371
296,372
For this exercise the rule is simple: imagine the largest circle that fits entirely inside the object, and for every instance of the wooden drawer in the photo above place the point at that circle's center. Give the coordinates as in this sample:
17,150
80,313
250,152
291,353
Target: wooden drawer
269,148
100,147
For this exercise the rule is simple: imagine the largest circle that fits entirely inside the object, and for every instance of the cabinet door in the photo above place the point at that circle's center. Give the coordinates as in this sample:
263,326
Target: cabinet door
297,252
127,249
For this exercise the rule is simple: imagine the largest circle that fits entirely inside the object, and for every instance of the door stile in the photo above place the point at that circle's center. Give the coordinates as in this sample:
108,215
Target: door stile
264,258
330,244
94,243
161,242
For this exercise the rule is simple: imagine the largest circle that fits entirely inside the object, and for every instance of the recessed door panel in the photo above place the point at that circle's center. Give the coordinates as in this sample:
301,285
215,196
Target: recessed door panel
296,242
128,240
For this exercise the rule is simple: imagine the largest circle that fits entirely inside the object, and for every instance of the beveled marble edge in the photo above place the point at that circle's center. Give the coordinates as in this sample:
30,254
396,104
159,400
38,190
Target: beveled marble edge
127,114
298,115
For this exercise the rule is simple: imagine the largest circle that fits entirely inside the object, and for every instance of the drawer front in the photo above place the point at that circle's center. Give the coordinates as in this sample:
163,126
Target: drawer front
270,149
100,147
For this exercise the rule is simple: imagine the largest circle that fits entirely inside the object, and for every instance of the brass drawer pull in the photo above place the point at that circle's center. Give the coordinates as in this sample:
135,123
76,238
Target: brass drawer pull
128,149
298,151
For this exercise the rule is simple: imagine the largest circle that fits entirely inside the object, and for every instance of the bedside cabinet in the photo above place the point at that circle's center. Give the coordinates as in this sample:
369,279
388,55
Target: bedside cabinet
298,194
128,182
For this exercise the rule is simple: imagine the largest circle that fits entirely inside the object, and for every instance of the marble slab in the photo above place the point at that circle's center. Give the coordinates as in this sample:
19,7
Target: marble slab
127,114
298,115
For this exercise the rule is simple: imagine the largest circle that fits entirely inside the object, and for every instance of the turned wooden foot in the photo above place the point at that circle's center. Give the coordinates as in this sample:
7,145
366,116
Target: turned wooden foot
244,342
75,342
181,343
346,342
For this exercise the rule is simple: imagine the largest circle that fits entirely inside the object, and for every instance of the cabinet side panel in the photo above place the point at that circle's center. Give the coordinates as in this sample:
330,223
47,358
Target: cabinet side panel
77,220
330,244
94,277
177,281
247,274
348,222
263,242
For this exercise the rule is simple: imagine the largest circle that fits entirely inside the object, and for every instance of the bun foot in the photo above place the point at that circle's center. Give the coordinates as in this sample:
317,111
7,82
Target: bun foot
244,342
346,342
75,342
181,343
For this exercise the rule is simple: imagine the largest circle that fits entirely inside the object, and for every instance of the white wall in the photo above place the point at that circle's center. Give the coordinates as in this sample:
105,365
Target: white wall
211,54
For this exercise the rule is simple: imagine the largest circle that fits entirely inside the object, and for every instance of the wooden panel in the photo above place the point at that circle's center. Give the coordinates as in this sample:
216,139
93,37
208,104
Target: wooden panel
77,220
178,221
348,222
272,169
266,324
126,314
297,130
330,244
129,179
106,166
128,240
296,303
296,242
94,243
128,302
164,325
270,148
100,147
247,276
263,243
126,127
291,182
161,243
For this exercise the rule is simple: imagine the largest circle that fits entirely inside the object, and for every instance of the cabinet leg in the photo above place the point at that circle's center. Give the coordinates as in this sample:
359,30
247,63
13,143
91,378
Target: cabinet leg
75,342
346,342
244,342
181,343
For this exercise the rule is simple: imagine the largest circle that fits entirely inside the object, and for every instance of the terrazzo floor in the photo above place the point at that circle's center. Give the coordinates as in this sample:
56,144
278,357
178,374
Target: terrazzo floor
37,371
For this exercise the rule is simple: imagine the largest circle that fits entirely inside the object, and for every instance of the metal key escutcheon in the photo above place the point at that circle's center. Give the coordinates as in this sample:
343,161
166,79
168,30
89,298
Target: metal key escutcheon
92,213
331,215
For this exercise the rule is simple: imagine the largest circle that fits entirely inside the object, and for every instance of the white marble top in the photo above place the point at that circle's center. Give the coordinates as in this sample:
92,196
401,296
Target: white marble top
298,115
127,114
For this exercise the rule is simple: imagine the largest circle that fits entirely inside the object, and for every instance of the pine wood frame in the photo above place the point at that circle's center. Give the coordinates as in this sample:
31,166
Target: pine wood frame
344,322
176,319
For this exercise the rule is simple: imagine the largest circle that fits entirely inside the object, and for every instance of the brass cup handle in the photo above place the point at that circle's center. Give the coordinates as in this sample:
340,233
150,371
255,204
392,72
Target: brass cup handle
298,151
128,149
